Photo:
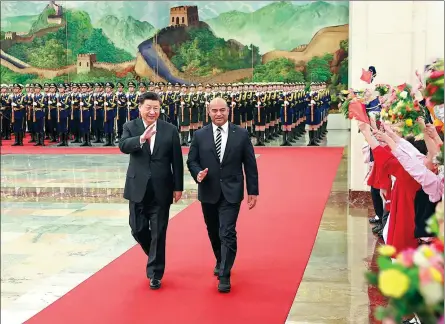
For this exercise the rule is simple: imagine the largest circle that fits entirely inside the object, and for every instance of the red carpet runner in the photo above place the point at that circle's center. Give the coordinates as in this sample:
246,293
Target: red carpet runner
275,242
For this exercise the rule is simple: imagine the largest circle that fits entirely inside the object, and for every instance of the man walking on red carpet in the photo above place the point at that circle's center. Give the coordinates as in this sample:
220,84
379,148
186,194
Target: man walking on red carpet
216,158
155,178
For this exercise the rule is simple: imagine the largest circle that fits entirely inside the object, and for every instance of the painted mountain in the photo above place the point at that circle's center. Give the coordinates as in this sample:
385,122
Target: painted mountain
282,25
126,33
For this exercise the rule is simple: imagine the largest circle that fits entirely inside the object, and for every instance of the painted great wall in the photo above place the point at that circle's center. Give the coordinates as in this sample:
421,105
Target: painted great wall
153,57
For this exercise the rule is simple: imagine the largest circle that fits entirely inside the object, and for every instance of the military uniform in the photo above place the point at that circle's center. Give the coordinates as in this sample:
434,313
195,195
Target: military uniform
86,103
98,113
132,102
6,112
63,114
110,113
74,100
184,114
40,111
122,113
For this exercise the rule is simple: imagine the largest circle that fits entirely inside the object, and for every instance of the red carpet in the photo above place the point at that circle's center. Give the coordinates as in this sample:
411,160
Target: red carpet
275,242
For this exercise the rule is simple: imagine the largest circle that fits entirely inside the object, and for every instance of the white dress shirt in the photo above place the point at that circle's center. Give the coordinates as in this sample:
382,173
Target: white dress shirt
152,139
224,136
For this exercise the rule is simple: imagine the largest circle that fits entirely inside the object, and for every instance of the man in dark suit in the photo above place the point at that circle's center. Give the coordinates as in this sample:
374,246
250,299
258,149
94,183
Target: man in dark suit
155,178
216,158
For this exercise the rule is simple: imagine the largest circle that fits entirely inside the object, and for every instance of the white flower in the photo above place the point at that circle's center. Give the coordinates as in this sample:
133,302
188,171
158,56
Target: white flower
420,259
399,113
403,94
432,292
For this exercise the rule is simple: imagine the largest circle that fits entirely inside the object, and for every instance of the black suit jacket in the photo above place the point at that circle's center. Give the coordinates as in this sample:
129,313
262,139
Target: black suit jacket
164,166
226,177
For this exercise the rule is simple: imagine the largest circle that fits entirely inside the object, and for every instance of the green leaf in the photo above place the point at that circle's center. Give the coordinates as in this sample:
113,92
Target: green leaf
384,263
372,278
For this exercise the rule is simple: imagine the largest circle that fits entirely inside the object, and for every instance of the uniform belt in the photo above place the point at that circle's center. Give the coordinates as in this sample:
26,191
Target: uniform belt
108,109
52,108
133,108
38,109
17,109
85,109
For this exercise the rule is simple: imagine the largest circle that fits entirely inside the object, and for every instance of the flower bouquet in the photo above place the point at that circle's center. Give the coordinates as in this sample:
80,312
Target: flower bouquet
434,91
402,109
413,280
382,89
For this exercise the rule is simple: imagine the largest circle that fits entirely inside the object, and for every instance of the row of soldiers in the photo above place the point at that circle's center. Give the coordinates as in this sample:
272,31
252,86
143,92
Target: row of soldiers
98,111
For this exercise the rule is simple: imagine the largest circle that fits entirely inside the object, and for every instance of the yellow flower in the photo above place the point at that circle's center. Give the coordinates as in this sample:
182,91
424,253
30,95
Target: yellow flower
409,122
387,250
390,112
393,283
436,275
427,252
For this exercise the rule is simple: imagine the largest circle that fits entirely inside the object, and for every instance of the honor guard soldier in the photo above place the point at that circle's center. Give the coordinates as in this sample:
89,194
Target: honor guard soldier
63,114
50,99
286,116
18,114
110,113
98,113
184,110
6,112
201,106
194,110
312,119
170,104
207,97
260,117
122,113
235,106
249,104
30,113
74,100
86,104
39,103
132,101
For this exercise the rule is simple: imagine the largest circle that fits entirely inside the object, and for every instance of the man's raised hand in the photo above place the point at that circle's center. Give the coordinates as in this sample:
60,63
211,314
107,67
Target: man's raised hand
148,133
202,174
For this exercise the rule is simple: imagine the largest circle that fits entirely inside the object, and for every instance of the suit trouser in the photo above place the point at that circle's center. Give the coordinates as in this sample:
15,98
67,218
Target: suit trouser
148,223
220,219
377,202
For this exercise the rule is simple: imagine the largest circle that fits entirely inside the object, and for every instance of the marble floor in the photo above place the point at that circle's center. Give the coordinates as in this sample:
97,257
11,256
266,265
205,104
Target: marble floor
63,218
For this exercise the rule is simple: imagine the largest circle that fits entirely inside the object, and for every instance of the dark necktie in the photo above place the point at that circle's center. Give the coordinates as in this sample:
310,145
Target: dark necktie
218,142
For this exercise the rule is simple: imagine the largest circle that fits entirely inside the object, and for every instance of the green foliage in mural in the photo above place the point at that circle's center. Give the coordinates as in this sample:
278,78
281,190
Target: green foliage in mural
343,73
318,69
9,77
60,48
205,54
42,20
278,70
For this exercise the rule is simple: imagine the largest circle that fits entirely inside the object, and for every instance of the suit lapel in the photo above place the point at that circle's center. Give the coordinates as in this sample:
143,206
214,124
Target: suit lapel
158,135
212,138
230,135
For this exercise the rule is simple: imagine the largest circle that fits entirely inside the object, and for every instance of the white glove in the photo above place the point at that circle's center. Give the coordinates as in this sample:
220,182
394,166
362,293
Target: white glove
34,104
14,104
96,103
128,103
59,104
50,102
162,110
106,103
312,102
81,104
286,102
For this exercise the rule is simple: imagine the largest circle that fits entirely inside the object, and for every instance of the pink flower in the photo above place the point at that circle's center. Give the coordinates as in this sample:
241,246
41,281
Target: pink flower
425,276
405,258
441,321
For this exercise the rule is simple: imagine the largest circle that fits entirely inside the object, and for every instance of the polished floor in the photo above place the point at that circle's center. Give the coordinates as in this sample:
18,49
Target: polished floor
63,218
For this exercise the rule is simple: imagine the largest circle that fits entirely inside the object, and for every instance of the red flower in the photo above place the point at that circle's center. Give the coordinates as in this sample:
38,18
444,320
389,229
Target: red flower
436,74
438,245
431,89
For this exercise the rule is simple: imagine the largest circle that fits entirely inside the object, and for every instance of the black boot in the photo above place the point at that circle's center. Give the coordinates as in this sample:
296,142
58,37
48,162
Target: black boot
21,136
62,140
286,139
89,140
16,139
33,137
76,138
192,131
85,140
38,140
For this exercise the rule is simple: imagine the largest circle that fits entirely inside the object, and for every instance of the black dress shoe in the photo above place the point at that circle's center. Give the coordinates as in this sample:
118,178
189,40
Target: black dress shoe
377,228
216,270
224,285
155,284
374,220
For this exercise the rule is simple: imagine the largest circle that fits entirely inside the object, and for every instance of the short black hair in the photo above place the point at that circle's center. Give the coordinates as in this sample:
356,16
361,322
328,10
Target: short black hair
420,145
149,96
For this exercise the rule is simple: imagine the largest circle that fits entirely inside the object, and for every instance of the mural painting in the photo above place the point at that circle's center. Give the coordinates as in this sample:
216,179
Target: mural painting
175,41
